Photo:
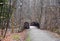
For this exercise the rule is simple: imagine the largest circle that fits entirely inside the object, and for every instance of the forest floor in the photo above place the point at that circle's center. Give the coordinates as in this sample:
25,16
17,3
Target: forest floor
15,36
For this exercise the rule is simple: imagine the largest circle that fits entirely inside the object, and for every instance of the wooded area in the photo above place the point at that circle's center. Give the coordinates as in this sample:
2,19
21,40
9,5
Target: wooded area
46,12
14,13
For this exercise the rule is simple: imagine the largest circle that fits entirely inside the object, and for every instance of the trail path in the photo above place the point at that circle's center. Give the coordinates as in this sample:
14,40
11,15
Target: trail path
41,35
